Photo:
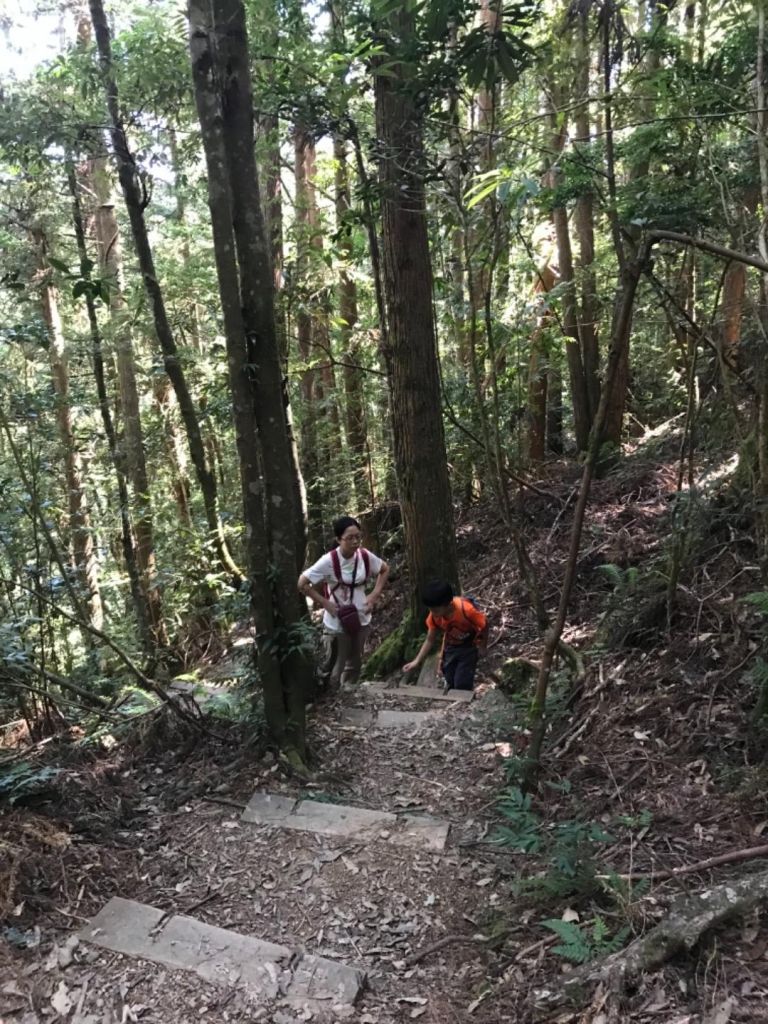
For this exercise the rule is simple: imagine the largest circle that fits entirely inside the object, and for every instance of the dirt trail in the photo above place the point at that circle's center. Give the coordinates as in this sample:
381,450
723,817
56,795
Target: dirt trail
367,903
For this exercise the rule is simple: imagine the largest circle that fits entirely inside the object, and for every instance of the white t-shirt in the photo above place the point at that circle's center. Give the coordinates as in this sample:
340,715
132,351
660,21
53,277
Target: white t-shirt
322,572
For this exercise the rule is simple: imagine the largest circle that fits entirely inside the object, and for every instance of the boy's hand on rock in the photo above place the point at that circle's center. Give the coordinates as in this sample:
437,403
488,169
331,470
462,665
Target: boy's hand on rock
410,666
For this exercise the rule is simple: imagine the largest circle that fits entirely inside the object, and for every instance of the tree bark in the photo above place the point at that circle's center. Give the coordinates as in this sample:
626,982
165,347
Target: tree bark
584,219
135,202
219,49
138,592
411,345
83,549
354,385
135,468
313,467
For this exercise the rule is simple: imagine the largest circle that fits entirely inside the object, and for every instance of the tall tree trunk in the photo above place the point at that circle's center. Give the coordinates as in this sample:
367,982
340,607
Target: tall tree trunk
223,94
355,414
584,218
481,236
111,264
313,467
83,549
177,453
139,593
135,202
579,398
354,387
614,421
283,512
546,278
411,346
268,130
761,486
321,332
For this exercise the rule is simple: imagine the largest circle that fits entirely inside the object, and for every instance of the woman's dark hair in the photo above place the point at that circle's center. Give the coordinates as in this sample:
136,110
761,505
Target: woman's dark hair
437,593
342,524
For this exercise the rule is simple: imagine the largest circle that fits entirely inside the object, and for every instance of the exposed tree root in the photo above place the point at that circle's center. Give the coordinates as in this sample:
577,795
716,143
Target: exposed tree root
688,920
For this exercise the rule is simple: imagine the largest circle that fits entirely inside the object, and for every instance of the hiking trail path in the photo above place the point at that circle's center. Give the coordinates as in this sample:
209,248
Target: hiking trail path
360,896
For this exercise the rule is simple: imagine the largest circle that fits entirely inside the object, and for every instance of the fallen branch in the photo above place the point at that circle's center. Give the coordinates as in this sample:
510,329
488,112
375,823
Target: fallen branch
690,918
733,857
447,940
144,680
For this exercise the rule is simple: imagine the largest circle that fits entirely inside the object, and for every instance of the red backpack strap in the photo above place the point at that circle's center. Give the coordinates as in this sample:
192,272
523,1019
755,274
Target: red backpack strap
336,562
366,562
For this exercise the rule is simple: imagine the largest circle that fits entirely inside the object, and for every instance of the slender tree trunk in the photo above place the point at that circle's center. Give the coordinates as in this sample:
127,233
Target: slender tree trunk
546,279
614,421
762,238
584,218
731,311
481,236
313,468
455,182
138,592
135,467
579,397
135,202
354,385
411,348
330,434
83,549
177,452
554,410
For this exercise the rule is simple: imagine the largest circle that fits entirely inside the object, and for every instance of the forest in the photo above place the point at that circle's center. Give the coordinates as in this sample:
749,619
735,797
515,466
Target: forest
487,279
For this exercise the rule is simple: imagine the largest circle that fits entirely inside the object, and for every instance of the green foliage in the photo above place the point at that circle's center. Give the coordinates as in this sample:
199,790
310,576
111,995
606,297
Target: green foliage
567,847
522,828
582,944
758,599
23,779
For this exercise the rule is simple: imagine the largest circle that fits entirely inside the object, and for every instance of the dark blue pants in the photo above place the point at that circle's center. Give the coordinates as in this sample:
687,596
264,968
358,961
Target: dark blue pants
459,667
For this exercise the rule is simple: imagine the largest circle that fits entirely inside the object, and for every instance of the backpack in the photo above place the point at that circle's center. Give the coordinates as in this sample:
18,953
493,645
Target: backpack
336,562
475,605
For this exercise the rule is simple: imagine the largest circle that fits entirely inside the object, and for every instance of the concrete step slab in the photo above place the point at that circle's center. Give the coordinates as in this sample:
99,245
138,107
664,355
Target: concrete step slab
265,969
422,692
359,823
362,718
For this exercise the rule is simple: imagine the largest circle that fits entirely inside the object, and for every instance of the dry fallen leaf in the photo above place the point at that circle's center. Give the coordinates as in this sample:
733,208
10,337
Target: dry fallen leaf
61,1001
719,1014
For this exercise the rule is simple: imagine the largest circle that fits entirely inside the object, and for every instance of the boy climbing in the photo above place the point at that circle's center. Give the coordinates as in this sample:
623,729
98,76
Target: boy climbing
464,628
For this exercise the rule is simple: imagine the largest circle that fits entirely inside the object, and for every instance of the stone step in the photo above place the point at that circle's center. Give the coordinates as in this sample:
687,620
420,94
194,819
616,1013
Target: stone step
422,692
365,719
359,823
264,969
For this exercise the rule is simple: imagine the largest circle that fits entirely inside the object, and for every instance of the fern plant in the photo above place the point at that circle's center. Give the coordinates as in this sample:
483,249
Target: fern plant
582,944
759,600
23,779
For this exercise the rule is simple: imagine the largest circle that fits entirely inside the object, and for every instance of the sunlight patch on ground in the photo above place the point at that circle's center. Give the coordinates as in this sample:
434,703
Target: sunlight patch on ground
717,474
